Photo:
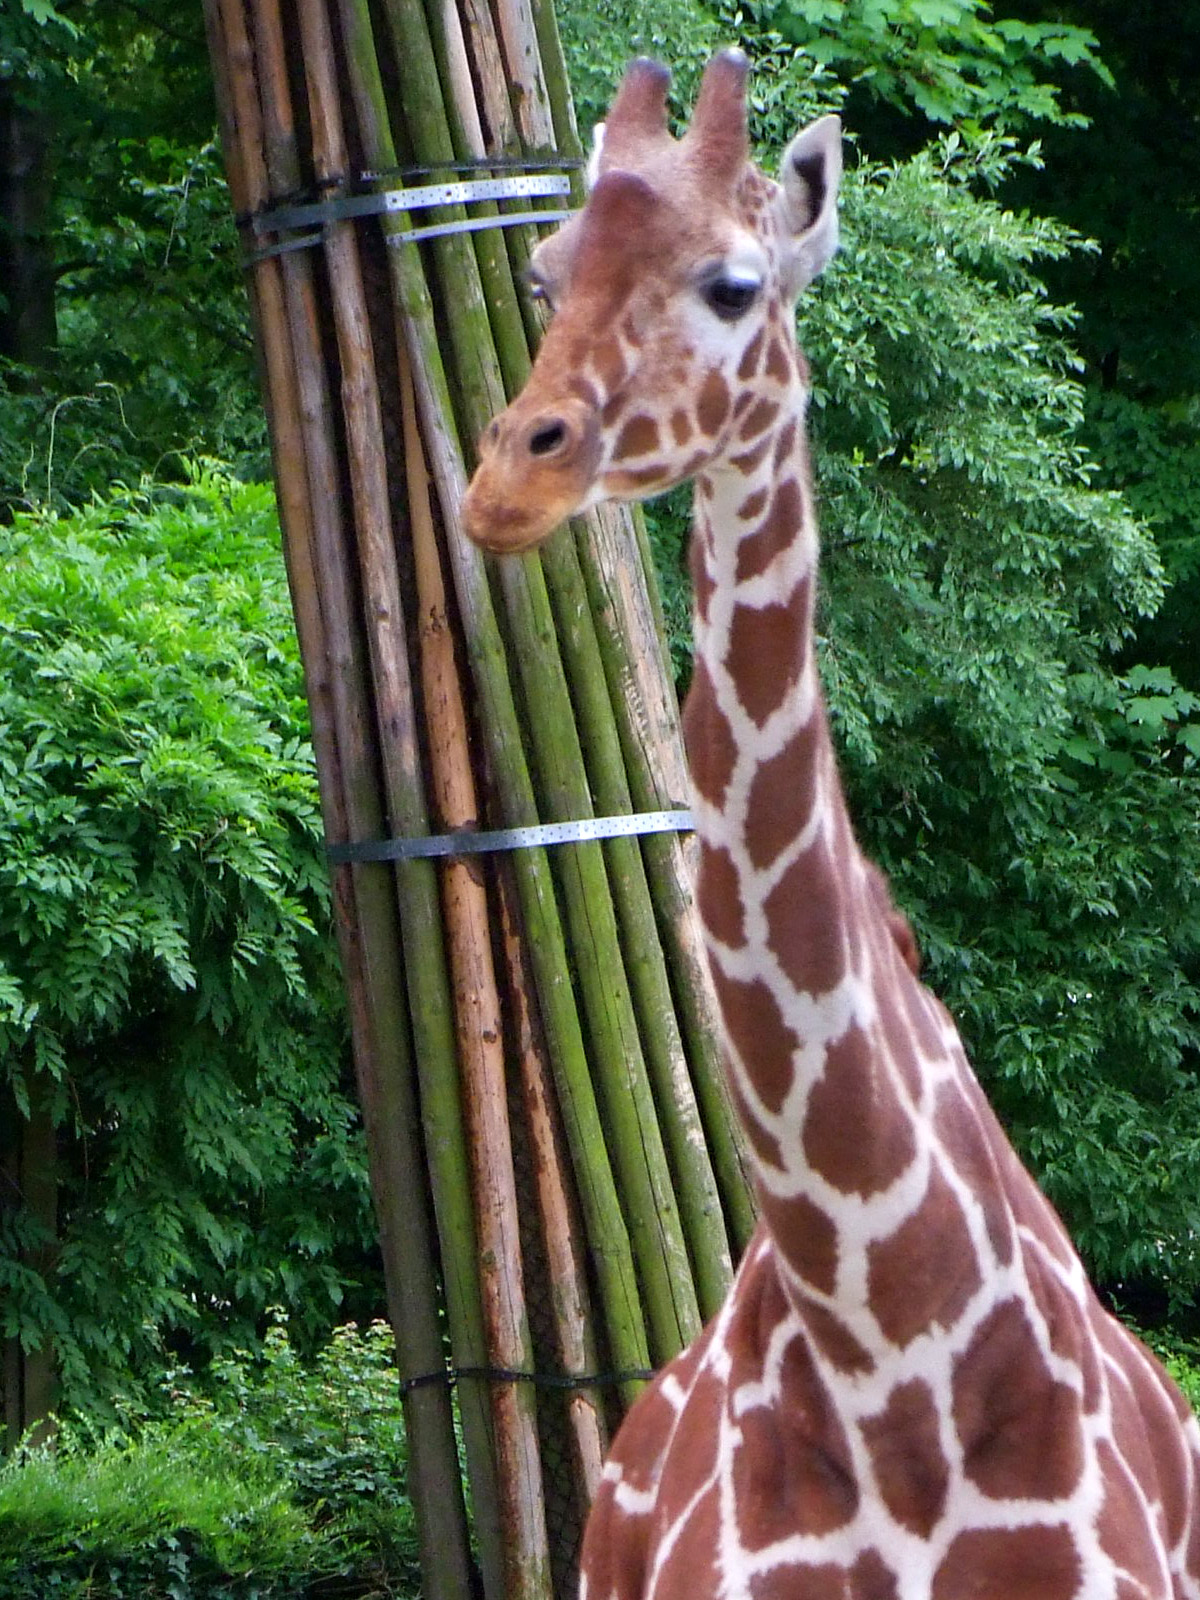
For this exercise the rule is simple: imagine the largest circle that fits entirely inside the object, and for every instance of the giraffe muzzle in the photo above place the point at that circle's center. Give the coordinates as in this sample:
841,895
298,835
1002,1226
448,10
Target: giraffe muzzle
535,469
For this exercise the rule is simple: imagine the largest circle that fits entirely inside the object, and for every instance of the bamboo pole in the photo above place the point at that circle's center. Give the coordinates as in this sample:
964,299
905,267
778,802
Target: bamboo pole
607,1232
571,1308
430,1001
363,911
628,622
690,1167
573,713
481,1052
629,1113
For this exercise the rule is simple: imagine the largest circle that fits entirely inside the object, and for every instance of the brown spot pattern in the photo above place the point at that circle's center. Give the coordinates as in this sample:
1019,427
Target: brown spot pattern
785,443
957,1129
749,460
781,796
719,896
608,363
1124,1531
1019,1427
907,1458
856,1136
638,437
759,1034
872,1579
712,407
926,1271
765,1145
702,583
764,652
1000,1563
777,532
835,1341
681,427
802,922
642,477
812,1242
761,415
791,1474
613,407
748,365
583,390
752,505
778,365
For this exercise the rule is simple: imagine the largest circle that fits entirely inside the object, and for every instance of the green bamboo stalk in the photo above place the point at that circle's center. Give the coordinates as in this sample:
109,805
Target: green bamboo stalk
653,759
636,1141
694,1181
364,912
628,1106
431,1007
481,1046
640,652
607,1231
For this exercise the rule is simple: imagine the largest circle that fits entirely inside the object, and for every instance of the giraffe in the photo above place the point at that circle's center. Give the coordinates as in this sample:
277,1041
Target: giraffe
911,1392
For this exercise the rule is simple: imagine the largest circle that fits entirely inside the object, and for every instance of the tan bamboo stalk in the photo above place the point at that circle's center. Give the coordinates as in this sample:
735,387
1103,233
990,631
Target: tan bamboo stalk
570,1301
607,1232
518,38
630,1119
430,1001
481,1052
364,915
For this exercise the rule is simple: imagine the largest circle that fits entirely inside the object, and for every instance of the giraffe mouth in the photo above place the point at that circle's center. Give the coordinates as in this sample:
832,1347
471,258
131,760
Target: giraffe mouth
511,519
534,472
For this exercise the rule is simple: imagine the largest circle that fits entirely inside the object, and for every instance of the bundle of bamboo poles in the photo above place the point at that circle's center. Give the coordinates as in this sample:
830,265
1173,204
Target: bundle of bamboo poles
559,1188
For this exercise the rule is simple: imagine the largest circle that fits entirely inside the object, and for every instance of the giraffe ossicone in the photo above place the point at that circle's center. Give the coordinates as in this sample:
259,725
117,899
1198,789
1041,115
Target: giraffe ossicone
911,1393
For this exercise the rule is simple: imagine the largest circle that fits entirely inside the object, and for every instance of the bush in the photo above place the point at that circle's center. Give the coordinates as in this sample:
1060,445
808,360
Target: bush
169,993
275,1479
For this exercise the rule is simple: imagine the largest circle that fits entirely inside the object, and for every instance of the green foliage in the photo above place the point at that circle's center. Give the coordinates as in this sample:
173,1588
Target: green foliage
168,988
273,1478
1181,1357
153,361
1151,450
948,59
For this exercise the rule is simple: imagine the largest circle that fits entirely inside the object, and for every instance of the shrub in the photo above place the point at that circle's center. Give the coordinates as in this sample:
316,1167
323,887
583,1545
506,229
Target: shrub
274,1479
169,993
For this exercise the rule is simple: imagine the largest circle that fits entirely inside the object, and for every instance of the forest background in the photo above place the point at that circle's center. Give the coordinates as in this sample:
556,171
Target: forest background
1006,420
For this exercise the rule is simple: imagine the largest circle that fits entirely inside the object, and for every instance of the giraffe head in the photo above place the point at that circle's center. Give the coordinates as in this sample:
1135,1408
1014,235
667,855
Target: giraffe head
672,293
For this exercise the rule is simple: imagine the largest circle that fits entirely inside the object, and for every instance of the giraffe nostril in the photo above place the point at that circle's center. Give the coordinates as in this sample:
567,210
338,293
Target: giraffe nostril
551,436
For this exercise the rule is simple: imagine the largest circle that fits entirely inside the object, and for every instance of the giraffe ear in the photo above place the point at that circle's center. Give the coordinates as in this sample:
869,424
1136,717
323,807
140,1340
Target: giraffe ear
812,170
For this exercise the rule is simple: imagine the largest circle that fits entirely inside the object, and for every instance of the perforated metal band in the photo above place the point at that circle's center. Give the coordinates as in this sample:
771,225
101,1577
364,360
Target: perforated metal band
527,838
341,208
525,186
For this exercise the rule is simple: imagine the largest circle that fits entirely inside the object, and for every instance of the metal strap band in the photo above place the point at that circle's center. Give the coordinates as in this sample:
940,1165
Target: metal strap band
480,164
524,187
542,833
477,224
309,241
450,1376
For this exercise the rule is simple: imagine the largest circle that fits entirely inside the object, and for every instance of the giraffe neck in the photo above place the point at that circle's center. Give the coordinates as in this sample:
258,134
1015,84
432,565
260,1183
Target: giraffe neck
836,1053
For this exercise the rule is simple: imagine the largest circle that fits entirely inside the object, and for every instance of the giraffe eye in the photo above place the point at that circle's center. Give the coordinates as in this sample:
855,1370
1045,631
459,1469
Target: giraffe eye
730,297
538,289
